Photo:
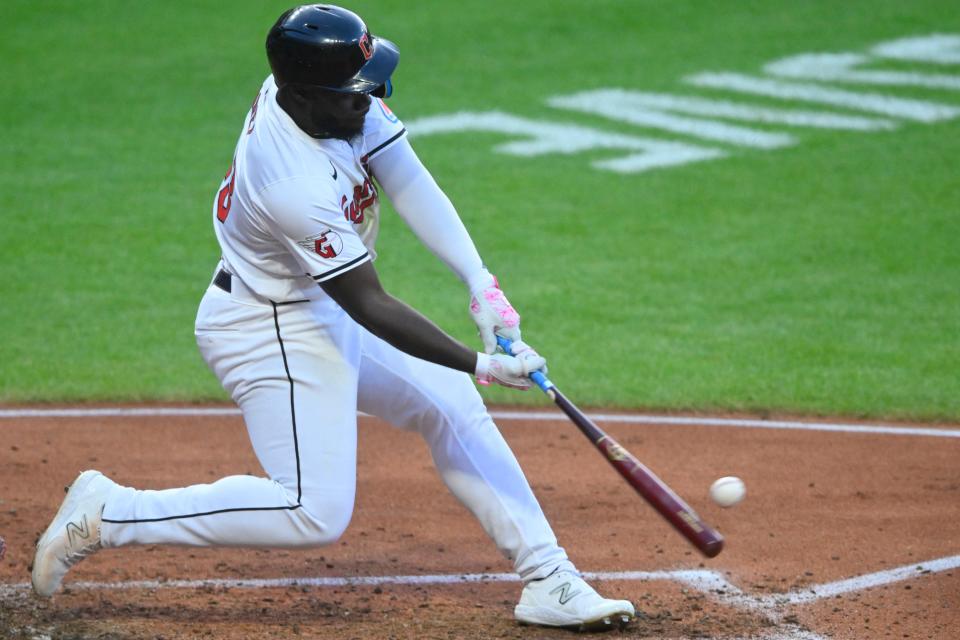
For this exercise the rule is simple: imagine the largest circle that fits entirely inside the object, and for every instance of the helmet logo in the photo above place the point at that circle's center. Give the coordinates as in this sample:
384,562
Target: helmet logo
365,47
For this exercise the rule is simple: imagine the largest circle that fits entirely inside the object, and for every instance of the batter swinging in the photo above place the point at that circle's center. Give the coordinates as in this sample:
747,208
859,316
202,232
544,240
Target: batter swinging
299,208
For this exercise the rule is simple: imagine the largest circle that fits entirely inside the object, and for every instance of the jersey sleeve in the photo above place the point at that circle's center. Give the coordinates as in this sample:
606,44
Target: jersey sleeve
305,217
381,129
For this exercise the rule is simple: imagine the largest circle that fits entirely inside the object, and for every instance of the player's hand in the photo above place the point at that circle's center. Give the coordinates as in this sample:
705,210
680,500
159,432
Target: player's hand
510,371
493,313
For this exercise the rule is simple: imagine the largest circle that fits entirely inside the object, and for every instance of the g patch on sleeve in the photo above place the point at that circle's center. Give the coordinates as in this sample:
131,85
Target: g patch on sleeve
326,244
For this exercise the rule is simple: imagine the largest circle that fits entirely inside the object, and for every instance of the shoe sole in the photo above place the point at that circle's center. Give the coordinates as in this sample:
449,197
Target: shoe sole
608,622
74,493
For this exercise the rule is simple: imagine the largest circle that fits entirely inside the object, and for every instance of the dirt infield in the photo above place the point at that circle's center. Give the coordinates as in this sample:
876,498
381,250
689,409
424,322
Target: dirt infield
842,535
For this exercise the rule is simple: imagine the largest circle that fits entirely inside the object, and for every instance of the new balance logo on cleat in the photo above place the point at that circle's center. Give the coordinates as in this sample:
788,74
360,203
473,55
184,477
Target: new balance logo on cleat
82,530
565,594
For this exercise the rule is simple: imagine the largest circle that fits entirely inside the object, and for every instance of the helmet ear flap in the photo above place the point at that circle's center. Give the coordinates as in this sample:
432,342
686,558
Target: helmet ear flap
383,91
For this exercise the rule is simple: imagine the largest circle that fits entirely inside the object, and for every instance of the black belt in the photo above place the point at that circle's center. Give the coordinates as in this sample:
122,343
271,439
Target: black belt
224,280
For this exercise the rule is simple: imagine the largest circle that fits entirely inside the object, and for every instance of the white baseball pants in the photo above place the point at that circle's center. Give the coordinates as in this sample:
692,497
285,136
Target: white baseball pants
299,372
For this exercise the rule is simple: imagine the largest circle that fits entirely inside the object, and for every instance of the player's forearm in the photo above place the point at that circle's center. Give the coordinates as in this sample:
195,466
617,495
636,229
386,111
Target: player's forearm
408,330
359,292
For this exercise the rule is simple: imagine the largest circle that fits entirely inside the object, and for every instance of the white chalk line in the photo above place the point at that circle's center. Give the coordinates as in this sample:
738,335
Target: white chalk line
703,580
868,581
711,583
536,416
737,423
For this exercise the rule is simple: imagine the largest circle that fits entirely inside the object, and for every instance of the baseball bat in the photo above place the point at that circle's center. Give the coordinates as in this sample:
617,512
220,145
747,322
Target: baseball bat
644,481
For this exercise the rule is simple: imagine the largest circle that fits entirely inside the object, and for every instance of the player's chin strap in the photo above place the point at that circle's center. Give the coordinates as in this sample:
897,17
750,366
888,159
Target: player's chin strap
538,377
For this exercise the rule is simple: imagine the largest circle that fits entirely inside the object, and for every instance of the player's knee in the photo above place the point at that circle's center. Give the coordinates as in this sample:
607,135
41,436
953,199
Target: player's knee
326,519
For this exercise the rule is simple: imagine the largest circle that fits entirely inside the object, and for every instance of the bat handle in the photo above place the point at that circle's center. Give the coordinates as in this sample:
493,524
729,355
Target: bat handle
538,377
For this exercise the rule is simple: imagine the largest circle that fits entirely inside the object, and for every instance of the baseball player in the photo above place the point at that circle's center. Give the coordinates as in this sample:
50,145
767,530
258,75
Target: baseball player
299,331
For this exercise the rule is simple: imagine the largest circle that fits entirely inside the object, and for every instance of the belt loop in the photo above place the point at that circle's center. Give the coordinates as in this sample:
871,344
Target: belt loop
224,281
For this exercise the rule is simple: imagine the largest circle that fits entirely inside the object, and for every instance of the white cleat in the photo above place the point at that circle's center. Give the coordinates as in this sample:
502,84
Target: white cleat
74,533
564,599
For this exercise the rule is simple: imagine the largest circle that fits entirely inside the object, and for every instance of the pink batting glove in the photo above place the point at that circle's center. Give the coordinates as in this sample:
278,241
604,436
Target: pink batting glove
493,313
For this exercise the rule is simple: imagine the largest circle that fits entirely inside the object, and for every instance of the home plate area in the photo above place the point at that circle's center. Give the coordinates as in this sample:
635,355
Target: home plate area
841,534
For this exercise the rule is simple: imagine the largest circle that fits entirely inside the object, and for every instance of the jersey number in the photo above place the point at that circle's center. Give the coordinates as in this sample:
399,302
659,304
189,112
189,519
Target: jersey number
225,195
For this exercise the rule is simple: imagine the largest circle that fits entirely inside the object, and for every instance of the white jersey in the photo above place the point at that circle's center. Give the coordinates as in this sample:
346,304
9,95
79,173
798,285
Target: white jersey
294,210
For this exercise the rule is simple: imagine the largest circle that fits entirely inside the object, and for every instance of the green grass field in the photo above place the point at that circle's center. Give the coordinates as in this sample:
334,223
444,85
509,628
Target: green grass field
820,278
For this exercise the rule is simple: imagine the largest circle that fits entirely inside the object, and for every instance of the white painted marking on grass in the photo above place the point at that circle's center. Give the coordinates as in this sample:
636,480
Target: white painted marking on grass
544,137
919,110
621,106
724,109
534,416
937,48
660,111
838,67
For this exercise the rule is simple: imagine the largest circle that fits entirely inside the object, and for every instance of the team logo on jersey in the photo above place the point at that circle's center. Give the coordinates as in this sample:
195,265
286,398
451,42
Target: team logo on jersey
364,197
326,244
365,47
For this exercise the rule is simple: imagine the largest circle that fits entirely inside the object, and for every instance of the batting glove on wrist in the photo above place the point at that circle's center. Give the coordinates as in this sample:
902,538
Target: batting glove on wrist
510,371
493,313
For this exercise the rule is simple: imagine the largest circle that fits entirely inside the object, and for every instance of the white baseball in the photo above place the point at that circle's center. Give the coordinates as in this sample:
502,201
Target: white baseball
728,491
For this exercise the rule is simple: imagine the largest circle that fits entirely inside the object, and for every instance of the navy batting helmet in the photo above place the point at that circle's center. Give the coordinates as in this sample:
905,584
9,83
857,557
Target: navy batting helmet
330,47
